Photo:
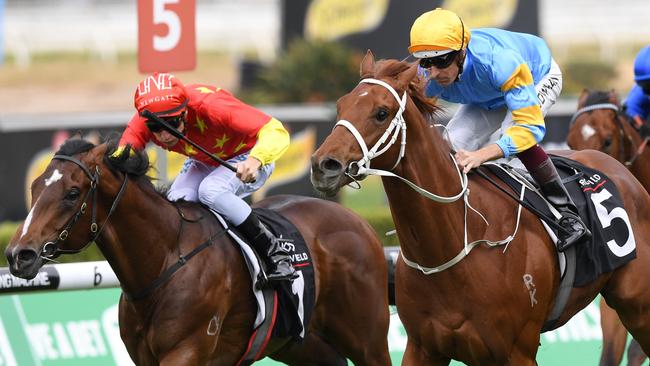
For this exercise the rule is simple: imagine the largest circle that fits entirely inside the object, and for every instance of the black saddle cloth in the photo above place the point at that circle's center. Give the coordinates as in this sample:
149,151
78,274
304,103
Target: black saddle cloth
296,300
601,209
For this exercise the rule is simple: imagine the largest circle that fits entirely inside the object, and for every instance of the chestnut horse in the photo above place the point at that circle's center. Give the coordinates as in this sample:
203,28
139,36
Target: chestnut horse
481,307
599,125
204,313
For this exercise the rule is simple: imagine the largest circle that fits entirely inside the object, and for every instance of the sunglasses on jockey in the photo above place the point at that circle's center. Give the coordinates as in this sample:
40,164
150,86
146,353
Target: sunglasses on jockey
440,62
156,127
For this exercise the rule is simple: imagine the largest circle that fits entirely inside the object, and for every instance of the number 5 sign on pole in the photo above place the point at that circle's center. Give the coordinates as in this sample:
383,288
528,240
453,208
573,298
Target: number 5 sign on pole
166,35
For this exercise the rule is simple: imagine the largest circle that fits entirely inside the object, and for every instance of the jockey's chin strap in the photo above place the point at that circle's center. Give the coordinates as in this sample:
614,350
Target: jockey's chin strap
51,249
397,125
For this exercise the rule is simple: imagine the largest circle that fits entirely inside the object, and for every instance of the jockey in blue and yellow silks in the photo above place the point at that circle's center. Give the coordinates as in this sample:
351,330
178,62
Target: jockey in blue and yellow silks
503,80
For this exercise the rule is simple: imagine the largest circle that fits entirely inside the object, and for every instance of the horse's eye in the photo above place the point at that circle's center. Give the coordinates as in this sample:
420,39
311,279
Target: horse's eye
72,195
382,114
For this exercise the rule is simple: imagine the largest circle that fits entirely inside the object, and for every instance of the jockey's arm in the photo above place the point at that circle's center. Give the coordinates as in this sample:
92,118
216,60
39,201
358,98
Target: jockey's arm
521,99
272,141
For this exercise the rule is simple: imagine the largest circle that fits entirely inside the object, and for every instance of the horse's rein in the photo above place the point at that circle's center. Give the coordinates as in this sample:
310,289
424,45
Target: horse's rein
51,249
636,151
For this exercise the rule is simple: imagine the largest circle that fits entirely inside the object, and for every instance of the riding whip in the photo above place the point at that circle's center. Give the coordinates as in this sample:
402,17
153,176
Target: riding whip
150,115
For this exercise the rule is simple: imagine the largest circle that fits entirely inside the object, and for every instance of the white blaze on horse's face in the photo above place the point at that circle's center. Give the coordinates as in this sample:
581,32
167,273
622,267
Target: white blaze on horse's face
587,131
28,221
55,177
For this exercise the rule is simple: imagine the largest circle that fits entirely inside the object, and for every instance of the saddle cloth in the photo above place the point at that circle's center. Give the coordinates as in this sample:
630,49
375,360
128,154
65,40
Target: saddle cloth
601,208
296,299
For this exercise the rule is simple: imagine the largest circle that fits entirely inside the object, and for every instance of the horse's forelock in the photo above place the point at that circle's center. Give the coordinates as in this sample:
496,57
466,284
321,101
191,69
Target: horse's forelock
597,97
74,146
392,68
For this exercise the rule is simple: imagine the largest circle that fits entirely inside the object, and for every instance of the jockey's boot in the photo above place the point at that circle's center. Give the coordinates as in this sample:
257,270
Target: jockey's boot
551,186
269,248
556,193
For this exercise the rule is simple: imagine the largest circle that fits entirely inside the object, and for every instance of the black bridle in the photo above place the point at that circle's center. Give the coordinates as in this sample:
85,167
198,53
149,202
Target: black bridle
51,248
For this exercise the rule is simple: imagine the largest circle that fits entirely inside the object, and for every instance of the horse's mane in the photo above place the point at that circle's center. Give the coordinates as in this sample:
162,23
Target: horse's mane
129,161
392,68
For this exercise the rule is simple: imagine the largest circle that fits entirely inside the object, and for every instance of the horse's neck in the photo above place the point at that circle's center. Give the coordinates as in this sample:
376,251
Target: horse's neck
140,235
420,221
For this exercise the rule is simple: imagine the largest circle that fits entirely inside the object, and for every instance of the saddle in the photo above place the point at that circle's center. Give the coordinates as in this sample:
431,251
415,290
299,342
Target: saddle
600,207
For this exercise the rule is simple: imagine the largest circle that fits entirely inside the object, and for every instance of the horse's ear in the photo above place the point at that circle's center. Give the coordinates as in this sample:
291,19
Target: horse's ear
405,77
367,65
582,99
98,152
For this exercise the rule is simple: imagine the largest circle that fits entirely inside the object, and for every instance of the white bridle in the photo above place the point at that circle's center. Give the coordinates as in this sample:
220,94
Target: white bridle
396,126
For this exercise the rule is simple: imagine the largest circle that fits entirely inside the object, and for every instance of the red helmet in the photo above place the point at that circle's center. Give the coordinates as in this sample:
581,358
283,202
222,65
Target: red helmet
161,93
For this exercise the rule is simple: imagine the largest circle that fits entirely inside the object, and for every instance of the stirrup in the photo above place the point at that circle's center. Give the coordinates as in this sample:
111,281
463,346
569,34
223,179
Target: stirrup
581,234
277,276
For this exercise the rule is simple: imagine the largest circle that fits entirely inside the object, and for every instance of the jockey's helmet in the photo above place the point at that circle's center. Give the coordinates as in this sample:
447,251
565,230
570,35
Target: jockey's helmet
436,33
161,93
642,65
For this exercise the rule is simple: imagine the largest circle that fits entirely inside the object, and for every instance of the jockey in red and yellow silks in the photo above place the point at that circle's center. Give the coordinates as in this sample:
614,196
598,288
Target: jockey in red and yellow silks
236,132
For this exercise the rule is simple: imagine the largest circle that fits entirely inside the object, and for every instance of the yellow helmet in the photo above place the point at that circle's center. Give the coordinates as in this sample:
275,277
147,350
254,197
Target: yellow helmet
436,33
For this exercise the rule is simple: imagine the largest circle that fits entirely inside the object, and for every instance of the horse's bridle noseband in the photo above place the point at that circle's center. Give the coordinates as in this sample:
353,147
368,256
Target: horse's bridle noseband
51,248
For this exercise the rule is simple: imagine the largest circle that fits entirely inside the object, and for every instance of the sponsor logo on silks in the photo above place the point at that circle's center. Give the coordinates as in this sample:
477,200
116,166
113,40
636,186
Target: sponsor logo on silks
590,181
46,279
160,81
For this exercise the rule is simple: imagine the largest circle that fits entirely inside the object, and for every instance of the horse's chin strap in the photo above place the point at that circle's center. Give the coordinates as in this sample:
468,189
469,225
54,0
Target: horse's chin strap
397,124
51,249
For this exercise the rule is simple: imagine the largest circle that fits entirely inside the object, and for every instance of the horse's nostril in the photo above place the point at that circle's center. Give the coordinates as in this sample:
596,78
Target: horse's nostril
26,256
331,165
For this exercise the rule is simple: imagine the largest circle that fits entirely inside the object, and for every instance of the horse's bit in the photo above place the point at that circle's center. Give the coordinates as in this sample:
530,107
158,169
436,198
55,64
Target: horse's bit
51,249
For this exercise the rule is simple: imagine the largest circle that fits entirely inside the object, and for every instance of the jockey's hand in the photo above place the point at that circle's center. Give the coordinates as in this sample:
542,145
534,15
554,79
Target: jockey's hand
247,169
471,159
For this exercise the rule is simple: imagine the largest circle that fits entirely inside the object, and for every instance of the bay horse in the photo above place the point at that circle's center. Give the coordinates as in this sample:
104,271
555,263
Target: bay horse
598,124
487,306
204,313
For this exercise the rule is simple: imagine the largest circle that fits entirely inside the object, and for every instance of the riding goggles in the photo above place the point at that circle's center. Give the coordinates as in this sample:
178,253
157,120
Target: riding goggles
156,127
440,62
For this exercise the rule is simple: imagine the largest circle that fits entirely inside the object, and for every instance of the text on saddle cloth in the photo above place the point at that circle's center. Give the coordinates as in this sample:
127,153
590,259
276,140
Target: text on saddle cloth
601,208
